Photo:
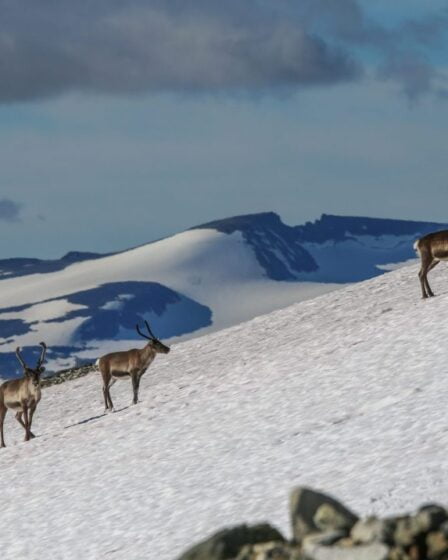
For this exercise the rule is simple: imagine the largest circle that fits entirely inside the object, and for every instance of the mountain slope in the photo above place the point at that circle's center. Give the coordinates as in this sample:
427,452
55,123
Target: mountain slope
207,278
346,392
196,279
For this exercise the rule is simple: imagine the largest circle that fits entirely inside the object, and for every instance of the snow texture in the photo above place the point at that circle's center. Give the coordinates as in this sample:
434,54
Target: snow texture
346,392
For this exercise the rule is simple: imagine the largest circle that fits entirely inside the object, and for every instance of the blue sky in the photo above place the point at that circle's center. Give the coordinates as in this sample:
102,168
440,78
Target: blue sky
133,120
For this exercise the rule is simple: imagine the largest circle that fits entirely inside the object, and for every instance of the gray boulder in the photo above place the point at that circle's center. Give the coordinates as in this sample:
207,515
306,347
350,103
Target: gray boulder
313,511
270,551
318,547
228,543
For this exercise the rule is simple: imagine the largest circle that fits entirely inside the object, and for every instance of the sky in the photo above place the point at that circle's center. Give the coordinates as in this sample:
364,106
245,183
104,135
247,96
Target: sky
122,122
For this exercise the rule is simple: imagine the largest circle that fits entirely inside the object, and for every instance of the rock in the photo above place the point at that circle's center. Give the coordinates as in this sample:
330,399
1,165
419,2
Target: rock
324,539
410,531
314,548
67,375
431,517
444,528
406,531
398,553
369,530
437,545
270,551
308,507
327,518
227,544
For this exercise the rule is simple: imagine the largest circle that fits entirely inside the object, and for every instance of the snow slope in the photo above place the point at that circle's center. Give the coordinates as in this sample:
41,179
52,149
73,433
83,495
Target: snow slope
346,392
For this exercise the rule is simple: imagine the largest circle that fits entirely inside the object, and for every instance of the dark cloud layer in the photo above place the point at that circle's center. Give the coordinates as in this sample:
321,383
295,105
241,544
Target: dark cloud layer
49,47
9,210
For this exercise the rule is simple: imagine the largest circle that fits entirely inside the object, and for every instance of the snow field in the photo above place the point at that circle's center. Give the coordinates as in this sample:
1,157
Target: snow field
346,392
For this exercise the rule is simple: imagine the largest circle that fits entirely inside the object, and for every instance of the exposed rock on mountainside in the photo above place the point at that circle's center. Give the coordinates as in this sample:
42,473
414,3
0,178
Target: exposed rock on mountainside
276,245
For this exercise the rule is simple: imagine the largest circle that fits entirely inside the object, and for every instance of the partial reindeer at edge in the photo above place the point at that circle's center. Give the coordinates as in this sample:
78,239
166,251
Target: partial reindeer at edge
129,363
432,249
22,395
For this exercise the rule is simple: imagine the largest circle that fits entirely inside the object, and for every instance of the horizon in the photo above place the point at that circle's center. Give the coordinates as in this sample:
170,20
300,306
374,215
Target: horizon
212,221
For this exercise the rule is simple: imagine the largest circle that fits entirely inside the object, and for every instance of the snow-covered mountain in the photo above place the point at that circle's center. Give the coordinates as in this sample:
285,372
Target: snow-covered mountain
346,392
209,277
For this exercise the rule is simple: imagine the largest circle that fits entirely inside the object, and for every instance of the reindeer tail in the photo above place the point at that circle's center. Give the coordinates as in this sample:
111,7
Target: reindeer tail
416,248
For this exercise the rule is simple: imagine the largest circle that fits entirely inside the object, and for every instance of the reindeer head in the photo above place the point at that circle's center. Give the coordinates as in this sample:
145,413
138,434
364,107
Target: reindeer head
154,342
33,373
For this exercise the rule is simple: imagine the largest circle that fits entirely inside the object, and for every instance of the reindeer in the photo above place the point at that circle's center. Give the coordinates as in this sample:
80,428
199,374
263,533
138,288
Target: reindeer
130,363
432,249
22,395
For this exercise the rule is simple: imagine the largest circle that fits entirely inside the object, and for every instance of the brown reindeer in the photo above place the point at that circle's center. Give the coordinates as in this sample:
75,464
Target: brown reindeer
432,249
22,395
129,363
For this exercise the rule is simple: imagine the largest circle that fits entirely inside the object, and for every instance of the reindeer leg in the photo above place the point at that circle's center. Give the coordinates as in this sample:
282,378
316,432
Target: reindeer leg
428,287
32,409
108,381
3,411
27,422
426,263
111,404
106,402
135,375
19,419
105,387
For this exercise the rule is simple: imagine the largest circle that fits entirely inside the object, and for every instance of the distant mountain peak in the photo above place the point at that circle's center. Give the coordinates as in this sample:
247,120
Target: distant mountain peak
276,246
340,228
243,222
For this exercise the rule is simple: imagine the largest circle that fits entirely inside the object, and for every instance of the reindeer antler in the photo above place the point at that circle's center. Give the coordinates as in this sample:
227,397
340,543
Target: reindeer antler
42,355
142,334
151,334
150,331
19,357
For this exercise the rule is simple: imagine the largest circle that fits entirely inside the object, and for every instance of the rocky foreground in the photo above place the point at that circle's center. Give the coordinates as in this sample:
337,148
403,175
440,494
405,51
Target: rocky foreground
324,529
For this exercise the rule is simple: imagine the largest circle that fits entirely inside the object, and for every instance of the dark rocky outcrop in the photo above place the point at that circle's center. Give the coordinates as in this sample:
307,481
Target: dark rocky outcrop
228,544
312,511
324,529
67,375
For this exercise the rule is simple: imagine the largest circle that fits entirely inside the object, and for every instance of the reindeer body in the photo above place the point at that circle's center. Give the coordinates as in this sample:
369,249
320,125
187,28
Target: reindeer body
128,363
432,249
19,393
122,364
22,396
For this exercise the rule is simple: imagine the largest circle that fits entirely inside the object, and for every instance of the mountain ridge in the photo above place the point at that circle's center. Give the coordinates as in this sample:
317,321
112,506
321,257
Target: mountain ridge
206,278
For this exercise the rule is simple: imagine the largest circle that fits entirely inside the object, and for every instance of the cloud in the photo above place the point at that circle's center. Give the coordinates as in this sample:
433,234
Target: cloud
48,48
404,52
9,210
415,74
